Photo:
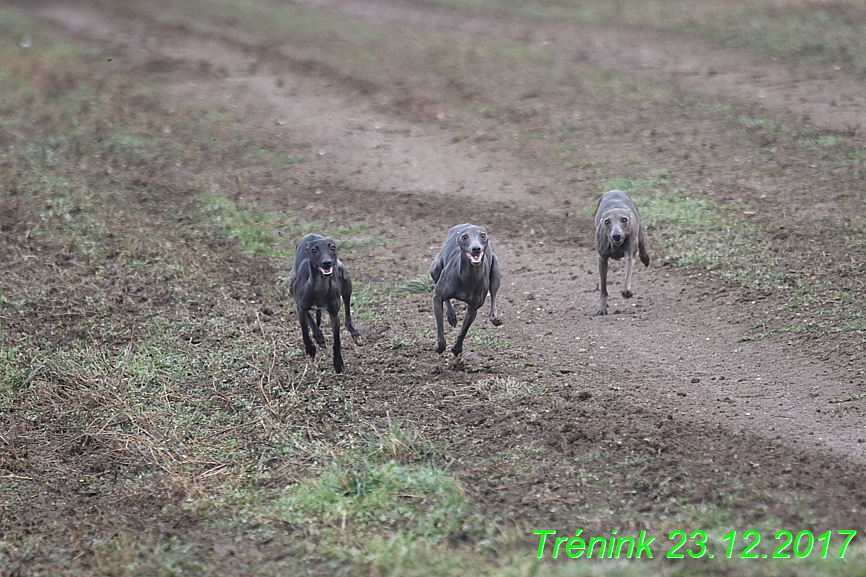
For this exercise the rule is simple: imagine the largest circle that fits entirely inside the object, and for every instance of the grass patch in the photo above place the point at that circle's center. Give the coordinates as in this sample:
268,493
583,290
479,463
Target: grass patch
422,285
486,338
506,387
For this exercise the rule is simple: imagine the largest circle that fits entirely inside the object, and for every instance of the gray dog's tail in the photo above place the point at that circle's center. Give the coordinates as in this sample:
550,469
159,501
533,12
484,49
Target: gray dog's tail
644,257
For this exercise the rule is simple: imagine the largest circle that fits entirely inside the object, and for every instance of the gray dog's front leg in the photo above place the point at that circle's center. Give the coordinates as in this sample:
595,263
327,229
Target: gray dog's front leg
457,348
440,324
629,270
602,273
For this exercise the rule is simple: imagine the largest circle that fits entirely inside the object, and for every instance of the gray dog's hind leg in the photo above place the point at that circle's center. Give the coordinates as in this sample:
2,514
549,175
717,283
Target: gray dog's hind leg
495,280
457,348
602,274
629,271
450,314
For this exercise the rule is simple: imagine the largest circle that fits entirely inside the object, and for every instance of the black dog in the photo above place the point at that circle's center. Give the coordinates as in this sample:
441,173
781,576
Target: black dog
465,269
319,280
619,234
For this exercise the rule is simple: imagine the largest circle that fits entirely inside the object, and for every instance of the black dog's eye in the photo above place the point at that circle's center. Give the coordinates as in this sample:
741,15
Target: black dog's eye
623,219
333,248
314,249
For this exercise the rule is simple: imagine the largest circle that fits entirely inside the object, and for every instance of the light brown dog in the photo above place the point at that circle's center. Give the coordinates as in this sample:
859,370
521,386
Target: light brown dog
619,234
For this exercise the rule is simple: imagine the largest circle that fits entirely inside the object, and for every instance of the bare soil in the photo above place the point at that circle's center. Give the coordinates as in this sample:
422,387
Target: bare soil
665,378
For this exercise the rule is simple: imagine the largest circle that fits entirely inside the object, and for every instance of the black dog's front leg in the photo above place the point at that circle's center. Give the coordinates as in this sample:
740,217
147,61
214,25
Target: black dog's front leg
467,322
304,319
440,324
334,313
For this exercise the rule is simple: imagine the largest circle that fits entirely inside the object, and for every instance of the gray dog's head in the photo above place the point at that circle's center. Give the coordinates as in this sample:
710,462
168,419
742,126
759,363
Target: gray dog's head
472,241
323,255
616,225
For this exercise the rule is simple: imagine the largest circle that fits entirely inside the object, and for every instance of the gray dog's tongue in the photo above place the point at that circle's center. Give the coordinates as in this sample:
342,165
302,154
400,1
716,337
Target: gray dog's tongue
475,259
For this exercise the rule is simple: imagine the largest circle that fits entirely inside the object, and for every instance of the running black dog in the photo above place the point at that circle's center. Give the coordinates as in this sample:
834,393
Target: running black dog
319,280
618,234
465,269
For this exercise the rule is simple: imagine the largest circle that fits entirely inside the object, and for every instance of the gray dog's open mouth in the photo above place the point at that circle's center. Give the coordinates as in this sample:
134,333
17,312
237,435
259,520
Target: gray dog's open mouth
475,258
326,271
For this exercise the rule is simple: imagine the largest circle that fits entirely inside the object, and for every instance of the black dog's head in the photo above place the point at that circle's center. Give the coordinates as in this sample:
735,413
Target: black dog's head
472,241
323,255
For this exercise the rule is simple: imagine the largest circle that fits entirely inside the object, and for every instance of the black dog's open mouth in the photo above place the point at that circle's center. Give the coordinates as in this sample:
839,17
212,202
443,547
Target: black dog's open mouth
475,258
326,270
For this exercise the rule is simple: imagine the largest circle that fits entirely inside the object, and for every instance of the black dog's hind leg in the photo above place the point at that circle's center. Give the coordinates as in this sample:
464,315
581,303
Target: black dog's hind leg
304,318
316,328
457,348
346,290
334,313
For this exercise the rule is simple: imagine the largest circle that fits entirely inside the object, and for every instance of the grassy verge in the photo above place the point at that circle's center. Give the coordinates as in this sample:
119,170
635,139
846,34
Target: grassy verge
829,33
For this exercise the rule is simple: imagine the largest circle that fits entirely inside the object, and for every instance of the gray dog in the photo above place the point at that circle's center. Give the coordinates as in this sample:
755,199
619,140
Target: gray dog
619,234
465,269
319,280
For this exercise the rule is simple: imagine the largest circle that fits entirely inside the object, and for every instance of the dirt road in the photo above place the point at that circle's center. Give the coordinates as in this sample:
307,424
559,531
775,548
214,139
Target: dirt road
665,382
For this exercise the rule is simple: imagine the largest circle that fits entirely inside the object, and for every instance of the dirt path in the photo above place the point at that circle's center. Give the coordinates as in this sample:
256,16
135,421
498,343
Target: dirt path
666,376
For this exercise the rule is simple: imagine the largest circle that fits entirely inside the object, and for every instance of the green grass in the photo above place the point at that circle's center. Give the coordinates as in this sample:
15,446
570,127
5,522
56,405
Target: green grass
487,338
420,285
